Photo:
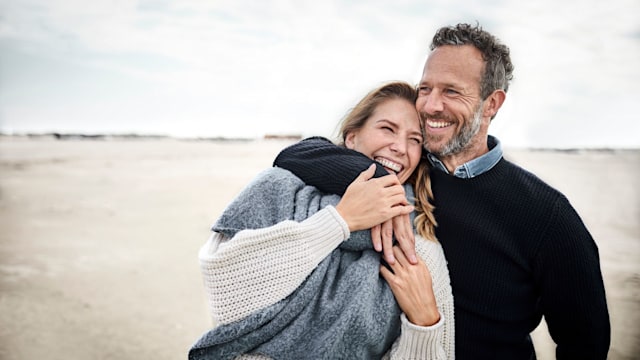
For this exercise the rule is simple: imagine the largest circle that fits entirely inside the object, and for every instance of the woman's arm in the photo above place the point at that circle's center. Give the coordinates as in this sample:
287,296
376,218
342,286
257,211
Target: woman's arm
246,270
257,268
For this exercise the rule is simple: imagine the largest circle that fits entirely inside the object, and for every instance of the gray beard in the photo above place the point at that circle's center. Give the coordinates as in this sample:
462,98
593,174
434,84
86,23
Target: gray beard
459,142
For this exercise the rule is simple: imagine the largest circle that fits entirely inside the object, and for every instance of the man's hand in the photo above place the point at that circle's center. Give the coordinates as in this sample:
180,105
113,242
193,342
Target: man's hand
369,202
411,285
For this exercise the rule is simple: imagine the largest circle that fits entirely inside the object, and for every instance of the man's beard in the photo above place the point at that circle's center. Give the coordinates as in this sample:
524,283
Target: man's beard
463,138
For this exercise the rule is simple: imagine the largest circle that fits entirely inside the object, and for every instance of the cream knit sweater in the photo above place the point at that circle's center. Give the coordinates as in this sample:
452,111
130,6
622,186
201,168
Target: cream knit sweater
257,268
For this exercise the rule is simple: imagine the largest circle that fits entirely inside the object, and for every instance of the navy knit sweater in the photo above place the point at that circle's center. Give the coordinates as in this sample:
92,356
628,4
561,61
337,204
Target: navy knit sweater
516,251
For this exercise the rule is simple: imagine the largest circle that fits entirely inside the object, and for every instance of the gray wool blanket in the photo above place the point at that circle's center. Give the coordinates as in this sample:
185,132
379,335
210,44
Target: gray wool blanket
343,310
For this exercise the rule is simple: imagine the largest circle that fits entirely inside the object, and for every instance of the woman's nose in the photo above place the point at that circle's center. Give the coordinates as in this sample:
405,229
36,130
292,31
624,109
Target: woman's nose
399,145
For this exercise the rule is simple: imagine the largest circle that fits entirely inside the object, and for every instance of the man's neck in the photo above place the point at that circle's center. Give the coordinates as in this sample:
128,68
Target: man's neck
451,162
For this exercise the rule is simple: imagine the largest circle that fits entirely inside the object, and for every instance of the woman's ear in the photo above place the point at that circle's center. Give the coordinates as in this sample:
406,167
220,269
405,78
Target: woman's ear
349,141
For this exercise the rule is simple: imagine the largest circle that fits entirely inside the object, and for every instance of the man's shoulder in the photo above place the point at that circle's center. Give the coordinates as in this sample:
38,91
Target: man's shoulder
521,178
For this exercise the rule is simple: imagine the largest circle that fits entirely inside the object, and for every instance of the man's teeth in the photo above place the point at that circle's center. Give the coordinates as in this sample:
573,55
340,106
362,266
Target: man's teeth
437,124
389,164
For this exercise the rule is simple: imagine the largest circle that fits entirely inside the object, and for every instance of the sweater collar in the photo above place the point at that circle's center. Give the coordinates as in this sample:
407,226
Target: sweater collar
474,167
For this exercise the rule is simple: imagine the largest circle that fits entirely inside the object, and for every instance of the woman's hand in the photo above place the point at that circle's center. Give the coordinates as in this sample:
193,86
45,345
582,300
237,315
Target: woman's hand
401,227
411,285
369,202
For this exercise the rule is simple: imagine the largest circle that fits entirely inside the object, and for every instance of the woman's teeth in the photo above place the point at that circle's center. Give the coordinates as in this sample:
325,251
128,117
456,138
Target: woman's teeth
389,164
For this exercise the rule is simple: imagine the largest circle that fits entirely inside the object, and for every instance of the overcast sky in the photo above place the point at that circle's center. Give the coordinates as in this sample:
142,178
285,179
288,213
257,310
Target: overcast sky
248,68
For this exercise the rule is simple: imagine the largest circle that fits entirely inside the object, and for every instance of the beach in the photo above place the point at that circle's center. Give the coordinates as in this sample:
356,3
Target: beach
99,239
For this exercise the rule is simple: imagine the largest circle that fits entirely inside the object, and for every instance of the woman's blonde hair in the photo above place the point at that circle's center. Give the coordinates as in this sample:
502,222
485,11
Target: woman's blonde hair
425,221
357,117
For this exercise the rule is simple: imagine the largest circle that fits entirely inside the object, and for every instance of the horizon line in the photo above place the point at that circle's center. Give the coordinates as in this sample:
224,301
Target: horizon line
62,136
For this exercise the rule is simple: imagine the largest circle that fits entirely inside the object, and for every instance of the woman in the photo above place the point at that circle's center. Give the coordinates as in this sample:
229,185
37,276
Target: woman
291,273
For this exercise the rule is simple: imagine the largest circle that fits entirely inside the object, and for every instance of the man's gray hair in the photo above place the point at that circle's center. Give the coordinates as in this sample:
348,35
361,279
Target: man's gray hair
498,69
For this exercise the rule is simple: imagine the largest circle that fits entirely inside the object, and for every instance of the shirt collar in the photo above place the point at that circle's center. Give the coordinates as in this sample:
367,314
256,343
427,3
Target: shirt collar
476,166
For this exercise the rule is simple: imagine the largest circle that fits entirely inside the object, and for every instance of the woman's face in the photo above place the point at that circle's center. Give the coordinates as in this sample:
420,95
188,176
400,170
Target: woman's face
391,136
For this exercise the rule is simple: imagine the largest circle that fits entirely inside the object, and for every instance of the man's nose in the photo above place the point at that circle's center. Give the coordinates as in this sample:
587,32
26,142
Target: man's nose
431,104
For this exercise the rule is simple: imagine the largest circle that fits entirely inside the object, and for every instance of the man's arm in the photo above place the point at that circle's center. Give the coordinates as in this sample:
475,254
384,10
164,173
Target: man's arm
324,165
572,290
331,169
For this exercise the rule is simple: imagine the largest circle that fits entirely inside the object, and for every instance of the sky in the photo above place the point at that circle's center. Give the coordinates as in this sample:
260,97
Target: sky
241,68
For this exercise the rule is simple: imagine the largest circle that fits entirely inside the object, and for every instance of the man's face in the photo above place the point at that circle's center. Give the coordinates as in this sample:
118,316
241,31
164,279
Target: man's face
449,101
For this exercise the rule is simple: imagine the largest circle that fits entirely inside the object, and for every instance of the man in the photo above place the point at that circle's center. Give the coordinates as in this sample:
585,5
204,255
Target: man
516,248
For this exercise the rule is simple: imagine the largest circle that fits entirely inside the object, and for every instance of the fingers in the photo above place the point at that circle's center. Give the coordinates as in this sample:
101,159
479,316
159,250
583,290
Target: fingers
412,287
400,226
403,231
367,174
368,202
387,180
398,210
371,201
386,274
387,241
376,238
399,254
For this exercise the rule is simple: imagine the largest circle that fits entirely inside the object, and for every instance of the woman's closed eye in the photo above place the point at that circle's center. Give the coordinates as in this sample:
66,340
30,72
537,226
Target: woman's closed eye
388,128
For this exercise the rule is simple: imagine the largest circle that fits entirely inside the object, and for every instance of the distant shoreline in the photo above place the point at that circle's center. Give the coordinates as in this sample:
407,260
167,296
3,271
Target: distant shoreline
133,136
286,137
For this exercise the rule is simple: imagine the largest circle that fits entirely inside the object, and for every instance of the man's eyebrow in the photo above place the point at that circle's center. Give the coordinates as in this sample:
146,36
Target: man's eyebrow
447,85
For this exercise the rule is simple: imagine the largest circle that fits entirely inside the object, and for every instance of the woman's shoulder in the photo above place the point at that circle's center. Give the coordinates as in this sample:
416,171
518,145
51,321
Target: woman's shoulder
431,253
276,177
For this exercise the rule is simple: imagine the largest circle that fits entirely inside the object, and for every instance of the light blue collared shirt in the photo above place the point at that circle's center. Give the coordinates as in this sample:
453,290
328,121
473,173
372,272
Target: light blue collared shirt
476,166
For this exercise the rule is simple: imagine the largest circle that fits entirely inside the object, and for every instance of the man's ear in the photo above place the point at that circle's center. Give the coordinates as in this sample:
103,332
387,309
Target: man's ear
494,102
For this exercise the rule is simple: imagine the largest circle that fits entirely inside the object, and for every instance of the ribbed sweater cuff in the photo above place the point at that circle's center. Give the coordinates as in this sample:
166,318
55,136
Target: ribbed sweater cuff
420,342
325,230
343,224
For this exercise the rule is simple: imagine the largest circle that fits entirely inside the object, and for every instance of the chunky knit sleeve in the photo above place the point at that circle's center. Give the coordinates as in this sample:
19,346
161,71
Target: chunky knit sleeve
567,270
257,268
436,341
324,165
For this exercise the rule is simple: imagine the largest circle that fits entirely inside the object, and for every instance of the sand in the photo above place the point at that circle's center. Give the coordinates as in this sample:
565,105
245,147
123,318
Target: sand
99,239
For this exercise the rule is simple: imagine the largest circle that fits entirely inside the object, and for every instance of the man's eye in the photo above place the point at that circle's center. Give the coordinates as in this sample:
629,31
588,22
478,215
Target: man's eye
451,92
424,89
